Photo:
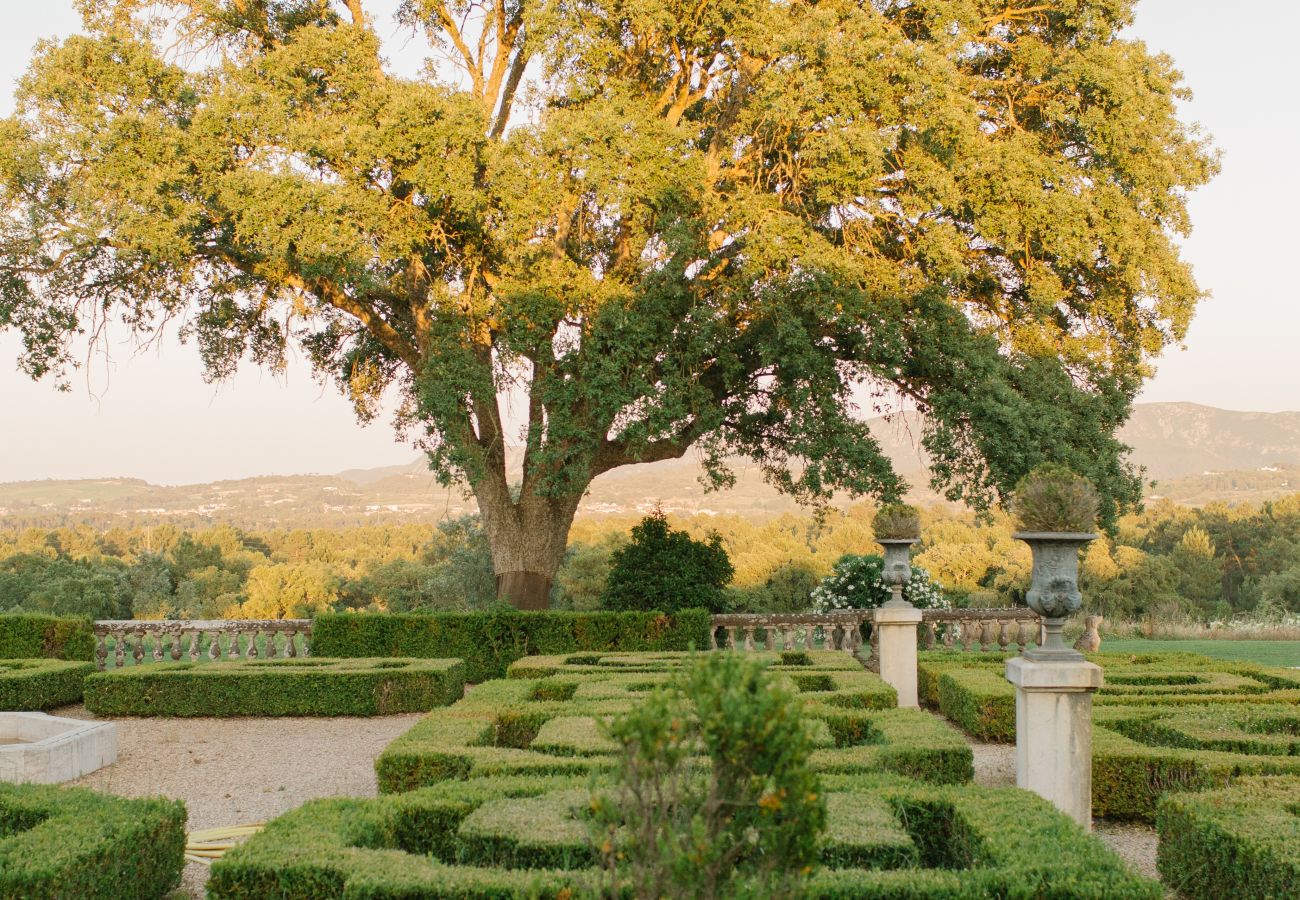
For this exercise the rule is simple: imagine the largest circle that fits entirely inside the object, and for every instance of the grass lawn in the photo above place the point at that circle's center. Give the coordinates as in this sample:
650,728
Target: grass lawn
1268,653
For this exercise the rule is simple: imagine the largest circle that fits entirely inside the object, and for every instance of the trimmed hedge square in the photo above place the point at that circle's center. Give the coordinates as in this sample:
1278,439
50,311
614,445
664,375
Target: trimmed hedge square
489,642
525,837
277,687
543,721
69,842
50,637
1243,841
32,684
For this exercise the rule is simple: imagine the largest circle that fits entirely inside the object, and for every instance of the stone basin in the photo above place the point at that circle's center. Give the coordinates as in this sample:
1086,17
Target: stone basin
46,749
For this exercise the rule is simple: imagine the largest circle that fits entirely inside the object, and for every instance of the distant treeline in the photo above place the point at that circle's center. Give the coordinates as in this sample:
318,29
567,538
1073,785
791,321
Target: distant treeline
1210,563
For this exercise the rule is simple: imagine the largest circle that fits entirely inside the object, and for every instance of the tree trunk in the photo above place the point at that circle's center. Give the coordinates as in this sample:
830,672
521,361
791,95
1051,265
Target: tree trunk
528,538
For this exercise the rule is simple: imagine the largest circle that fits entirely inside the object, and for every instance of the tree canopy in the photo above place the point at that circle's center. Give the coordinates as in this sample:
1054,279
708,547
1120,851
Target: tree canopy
659,224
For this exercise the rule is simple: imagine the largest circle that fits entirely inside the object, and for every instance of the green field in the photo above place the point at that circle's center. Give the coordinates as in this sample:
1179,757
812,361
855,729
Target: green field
1266,653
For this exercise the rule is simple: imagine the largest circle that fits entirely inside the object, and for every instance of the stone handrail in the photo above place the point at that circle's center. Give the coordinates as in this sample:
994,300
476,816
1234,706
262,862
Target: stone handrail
166,635
791,631
979,630
966,630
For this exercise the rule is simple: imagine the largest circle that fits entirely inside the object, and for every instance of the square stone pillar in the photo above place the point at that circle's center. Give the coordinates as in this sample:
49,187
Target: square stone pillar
897,647
1054,731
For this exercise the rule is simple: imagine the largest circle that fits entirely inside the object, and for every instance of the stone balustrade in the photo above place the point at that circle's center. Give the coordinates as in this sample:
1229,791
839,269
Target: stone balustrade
965,630
228,638
979,630
790,631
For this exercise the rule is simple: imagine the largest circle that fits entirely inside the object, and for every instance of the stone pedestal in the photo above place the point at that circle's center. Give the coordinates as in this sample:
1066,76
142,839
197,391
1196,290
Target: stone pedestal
1054,731
897,647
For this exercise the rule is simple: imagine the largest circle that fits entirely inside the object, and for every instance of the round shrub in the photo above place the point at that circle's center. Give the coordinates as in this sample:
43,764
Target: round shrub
668,570
896,522
857,582
1052,498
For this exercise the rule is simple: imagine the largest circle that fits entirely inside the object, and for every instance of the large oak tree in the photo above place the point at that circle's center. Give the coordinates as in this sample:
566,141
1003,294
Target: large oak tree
665,223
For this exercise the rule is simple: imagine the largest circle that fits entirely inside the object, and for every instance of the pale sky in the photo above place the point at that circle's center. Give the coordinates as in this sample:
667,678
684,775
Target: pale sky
152,416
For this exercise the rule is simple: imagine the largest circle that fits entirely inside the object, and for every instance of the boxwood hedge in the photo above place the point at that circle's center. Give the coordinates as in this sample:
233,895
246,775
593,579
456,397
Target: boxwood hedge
973,692
280,687
51,637
1140,754
68,842
29,684
1242,841
489,642
524,836
543,720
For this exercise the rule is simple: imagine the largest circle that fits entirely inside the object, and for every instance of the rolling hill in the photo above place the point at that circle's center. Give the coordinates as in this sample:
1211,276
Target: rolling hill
1196,454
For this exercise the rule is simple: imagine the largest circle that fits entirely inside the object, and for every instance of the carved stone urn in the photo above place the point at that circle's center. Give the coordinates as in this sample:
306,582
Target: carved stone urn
898,568
1054,587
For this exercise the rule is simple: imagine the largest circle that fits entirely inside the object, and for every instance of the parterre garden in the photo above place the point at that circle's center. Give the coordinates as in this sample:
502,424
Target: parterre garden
491,794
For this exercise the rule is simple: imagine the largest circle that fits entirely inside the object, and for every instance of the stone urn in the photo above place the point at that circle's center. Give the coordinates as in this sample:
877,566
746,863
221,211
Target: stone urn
898,568
1054,587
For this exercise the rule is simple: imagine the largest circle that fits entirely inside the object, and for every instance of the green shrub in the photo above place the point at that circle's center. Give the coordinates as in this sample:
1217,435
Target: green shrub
488,837
54,637
489,642
667,570
713,787
29,684
280,687
68,842
1243,841
543,720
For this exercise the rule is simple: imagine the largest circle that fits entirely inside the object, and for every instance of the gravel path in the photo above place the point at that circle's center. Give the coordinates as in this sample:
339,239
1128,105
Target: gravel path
995,766
240,771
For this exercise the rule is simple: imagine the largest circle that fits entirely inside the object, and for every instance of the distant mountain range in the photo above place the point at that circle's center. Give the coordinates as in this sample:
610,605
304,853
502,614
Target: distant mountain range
1195,454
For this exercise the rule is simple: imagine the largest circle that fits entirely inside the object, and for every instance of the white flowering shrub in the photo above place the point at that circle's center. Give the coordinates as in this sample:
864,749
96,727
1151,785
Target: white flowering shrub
856,582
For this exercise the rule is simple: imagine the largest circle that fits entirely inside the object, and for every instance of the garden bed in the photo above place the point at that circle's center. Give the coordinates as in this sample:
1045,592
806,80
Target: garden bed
526,836
543,721
69,842
282,687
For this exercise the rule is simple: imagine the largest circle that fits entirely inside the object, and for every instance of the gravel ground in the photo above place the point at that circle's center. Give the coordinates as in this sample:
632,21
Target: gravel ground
995,766
240,771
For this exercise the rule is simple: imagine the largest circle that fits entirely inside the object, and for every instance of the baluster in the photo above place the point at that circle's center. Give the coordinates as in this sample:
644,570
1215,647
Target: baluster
194,645
1022,634
731,637
234,643
119,649
927,635
1003,638
101,651
949,635
787,635
967,638
873,661
138,653
176,644
749,637
270,644
214,646
713,638
769,637
985,636
252,644
158,646
292,650
306,647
